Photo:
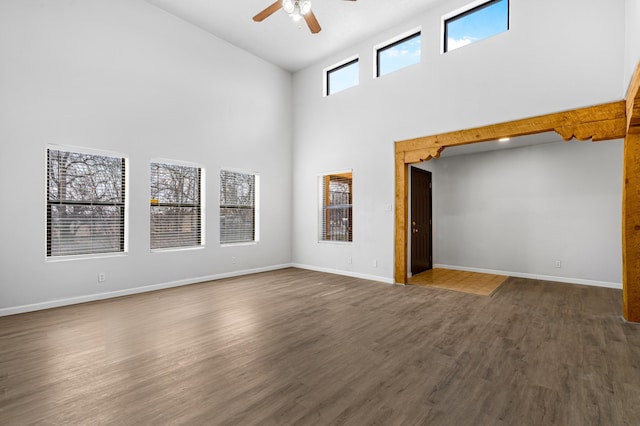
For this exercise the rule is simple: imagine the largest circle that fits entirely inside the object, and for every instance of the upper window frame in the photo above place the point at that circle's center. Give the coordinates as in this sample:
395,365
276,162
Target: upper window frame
465,11
390,44
337,67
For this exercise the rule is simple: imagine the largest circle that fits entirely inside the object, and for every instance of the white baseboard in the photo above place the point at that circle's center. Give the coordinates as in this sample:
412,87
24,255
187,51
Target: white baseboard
345,273
119,293
534,276
126,292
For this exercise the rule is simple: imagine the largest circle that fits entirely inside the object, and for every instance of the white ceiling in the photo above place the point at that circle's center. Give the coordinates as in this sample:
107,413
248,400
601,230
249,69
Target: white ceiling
291,45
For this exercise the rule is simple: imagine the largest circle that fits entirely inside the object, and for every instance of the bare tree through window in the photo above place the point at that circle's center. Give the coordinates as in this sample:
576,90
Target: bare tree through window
176,208
237,207
85,203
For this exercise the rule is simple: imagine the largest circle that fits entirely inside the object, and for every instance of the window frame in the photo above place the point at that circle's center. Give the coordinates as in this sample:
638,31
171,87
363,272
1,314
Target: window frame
199,205
123,205
324,208
255,208
390,44
465,11
337,67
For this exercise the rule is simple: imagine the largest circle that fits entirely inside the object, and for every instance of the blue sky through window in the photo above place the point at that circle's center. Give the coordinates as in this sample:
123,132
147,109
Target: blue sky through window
343,77
400,55
477,24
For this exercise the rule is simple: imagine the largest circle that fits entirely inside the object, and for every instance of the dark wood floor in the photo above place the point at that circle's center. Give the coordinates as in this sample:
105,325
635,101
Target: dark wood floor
300,347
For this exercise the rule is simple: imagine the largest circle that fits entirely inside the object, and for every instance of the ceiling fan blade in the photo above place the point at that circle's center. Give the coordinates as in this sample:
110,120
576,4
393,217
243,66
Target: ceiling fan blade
312,22
268,11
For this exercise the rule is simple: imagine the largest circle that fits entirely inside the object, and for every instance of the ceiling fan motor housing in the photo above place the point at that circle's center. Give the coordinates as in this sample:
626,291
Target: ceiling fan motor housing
296,7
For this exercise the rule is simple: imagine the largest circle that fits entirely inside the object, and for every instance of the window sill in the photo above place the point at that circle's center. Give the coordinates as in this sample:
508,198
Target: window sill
242,243
175,249
339,243
68,258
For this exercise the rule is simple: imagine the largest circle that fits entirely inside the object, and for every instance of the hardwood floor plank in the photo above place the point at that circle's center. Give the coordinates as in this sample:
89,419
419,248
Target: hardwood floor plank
309,348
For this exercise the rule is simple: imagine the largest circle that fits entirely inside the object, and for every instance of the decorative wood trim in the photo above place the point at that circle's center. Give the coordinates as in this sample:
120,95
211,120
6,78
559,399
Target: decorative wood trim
402,189
595,131
631,229
420,155
633,103
327,213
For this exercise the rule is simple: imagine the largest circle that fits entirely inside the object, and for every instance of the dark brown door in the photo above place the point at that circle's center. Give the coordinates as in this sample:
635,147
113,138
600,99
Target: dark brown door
421,242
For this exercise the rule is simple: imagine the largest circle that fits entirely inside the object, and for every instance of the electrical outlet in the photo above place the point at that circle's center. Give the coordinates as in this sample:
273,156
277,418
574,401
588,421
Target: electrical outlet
349,260
234,260
558,264
102,277
374,263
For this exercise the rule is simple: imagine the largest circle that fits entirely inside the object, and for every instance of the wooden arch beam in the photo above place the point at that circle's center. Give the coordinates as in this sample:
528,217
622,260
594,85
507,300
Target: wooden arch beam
596,123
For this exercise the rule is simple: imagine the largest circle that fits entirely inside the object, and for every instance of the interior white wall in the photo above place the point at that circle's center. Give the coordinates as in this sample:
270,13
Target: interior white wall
121,75
632,39
519,210
558,55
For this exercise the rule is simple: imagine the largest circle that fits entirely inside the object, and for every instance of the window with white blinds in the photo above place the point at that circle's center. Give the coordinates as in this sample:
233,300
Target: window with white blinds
85,203
238,206
336,212
176,206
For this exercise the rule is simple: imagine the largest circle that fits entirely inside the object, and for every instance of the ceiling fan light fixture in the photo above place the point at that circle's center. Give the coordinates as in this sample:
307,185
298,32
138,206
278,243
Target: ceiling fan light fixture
305,6
296,15
288,6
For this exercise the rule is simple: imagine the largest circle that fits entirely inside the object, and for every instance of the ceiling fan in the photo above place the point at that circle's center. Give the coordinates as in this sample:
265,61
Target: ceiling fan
297,9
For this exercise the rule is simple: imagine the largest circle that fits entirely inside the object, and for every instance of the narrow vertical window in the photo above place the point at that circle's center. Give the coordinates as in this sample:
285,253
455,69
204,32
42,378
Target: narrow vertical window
398,54
175,206
85,203
477,23
336,213
238,207
342,77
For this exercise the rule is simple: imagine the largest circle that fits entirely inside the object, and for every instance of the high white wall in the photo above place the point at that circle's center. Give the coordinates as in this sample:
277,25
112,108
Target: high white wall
558,55
520,210
121,75
632,39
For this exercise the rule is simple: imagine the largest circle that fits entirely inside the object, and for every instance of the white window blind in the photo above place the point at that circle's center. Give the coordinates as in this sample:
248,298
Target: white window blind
237,207
336,215
85,203
176,206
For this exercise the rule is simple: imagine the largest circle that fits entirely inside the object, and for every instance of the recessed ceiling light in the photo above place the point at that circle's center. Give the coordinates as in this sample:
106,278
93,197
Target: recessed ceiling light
504,139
